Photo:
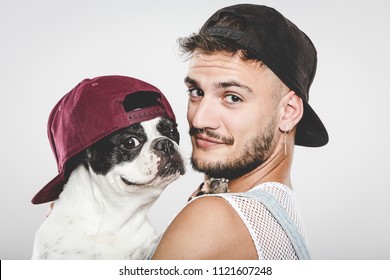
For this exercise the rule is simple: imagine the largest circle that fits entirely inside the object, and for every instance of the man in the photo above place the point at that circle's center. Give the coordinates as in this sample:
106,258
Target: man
248,81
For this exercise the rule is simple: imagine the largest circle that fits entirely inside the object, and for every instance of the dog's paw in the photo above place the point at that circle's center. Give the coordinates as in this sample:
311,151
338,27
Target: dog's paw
212,186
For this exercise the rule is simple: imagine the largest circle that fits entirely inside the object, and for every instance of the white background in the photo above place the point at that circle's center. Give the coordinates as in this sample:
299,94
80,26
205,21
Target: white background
47,47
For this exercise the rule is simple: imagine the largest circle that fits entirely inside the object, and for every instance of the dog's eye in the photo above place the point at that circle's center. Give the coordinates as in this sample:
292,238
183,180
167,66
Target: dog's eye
130,143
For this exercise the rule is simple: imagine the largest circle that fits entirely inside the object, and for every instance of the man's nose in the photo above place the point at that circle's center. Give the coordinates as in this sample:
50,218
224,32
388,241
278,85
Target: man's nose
204,114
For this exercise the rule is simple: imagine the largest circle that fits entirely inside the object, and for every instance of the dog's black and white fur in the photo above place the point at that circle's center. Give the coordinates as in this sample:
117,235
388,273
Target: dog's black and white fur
102,211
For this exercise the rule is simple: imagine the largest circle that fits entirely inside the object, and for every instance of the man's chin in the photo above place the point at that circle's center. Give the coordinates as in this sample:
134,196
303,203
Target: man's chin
212,169
202,166
221,169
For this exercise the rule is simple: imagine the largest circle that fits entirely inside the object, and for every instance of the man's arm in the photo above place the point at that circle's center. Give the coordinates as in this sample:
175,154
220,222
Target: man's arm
207,228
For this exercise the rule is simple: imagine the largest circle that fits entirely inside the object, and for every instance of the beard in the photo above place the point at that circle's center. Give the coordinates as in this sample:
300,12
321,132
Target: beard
254,153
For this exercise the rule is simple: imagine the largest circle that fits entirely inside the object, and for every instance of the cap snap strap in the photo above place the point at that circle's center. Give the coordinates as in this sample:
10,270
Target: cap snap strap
225,32
145,113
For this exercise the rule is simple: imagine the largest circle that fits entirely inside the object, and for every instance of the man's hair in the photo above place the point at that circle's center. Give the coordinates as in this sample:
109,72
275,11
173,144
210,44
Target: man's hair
205,43
208,44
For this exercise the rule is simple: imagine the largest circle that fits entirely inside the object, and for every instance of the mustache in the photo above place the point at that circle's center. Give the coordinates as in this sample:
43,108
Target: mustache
227,140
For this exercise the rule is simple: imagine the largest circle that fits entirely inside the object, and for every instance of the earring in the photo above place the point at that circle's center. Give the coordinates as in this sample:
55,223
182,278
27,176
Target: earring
285,133
285,143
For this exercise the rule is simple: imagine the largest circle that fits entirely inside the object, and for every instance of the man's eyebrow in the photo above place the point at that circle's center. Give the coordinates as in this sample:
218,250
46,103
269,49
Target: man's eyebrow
190,81
222,85
228,84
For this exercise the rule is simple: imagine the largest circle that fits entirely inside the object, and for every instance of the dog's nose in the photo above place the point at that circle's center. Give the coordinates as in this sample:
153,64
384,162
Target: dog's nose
165,145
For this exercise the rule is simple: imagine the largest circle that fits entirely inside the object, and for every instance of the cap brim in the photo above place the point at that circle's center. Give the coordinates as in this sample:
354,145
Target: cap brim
51,191
311,132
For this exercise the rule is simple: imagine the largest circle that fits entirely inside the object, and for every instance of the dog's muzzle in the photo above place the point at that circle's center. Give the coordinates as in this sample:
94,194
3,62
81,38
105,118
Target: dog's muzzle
171,161
165,145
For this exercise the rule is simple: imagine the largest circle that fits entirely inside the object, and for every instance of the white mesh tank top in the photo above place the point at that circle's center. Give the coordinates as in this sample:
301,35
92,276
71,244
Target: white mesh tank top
270,237
271,216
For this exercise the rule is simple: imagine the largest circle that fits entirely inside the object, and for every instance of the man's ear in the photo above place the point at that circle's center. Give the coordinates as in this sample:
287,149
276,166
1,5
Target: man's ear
291,111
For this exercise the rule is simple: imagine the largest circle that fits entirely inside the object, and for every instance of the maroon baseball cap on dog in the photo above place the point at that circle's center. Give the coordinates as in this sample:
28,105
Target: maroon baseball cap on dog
92,110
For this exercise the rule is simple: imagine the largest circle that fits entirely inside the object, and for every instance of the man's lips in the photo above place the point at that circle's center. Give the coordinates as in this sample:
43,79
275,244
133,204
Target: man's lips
206,141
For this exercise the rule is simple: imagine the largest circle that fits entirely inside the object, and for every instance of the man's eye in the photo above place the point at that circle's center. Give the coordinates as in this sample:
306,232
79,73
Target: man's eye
195,92
232,99
130,143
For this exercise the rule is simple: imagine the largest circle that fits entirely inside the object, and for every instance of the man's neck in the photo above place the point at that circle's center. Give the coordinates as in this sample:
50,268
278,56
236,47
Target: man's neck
275,169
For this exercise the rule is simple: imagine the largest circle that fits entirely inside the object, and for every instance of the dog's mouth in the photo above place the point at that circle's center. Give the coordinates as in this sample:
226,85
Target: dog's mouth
170,168
129,183
170,165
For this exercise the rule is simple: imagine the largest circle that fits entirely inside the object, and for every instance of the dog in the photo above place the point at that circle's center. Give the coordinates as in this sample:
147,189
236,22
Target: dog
102,211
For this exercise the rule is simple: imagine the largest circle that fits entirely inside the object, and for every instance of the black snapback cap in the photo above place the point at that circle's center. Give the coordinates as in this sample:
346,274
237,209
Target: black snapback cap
285,49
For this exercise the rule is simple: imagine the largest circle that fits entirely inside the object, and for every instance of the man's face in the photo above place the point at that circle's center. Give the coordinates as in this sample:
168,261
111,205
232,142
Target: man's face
231,114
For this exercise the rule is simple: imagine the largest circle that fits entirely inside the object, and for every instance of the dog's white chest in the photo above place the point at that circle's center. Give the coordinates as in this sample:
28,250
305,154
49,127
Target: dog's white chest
75,240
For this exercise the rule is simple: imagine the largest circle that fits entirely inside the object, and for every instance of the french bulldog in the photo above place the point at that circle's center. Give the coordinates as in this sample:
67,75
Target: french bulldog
102,211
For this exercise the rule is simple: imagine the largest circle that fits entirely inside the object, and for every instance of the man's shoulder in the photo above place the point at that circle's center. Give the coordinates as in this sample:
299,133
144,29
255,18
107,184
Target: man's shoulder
207,214
204,204
207,228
